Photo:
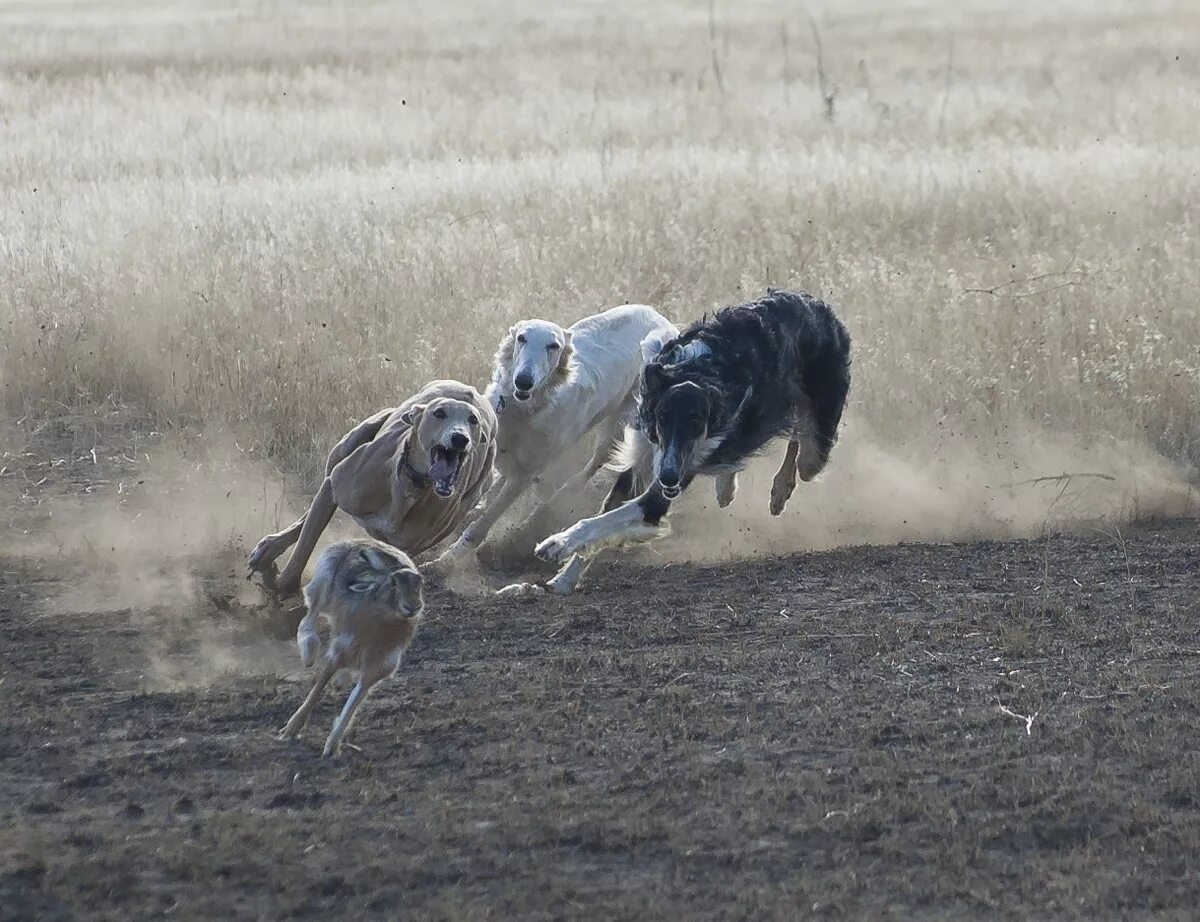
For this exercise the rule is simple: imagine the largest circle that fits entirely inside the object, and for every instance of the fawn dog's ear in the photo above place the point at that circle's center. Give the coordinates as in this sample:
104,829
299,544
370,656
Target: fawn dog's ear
412,416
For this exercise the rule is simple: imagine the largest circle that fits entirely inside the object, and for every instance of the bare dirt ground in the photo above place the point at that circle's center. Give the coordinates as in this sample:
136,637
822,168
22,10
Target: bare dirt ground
986,729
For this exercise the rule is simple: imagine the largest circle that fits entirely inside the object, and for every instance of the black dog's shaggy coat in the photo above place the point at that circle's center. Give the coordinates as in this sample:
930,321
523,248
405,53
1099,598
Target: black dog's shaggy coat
759,371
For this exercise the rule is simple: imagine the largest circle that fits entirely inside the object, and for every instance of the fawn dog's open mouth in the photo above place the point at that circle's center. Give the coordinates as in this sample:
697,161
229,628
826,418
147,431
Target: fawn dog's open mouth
444,466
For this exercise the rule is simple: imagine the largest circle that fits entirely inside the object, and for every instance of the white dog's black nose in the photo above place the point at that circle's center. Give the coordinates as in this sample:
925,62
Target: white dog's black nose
458,441
523,381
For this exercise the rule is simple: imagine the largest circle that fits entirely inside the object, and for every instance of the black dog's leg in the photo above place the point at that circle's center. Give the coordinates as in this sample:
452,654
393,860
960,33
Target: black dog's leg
785,478
567,578
638,519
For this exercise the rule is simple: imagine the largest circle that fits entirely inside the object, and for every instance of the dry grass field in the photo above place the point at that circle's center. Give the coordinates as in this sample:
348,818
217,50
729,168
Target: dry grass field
229,230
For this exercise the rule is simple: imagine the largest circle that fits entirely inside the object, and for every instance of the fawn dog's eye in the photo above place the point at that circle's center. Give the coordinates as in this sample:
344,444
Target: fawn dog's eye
439,414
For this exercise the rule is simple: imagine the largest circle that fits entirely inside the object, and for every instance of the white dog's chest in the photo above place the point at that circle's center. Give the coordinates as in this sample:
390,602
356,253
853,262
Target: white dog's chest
521,457
529,444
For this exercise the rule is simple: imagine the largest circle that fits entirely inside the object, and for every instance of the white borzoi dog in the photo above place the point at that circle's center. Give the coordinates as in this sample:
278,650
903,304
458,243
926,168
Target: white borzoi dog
552,387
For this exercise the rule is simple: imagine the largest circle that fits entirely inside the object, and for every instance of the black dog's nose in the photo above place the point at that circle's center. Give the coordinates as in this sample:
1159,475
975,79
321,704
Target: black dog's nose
668,479
458,441
523,381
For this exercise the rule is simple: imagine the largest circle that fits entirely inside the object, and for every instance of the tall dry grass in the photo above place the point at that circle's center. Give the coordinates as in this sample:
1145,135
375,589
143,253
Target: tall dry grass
268,220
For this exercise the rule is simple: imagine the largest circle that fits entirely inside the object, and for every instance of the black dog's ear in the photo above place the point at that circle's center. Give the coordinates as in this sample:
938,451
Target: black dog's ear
655,378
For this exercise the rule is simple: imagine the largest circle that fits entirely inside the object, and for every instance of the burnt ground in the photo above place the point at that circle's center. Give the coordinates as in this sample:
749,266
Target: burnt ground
829,735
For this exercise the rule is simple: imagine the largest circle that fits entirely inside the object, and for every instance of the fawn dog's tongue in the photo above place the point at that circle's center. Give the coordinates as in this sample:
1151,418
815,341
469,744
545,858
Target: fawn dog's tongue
444,464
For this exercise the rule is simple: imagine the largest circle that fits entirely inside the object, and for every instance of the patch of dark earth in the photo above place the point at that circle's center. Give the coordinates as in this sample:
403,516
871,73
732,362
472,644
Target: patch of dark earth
986,729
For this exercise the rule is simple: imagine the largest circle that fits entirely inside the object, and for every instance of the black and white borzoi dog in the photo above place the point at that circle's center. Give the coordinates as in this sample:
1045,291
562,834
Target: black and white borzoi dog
713,397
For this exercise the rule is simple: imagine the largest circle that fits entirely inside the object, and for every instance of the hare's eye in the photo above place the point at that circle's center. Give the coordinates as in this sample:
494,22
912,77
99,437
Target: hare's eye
439,414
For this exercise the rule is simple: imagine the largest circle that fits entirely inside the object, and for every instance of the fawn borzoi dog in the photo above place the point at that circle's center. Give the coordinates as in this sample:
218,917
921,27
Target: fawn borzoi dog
408,475
551,387
371,595
711,399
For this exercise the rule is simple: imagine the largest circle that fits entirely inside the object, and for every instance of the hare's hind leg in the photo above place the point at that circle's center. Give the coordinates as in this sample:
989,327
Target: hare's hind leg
367,680
327,671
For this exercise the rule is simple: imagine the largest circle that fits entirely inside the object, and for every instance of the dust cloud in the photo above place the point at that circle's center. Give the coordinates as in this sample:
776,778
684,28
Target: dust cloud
164,544
933,489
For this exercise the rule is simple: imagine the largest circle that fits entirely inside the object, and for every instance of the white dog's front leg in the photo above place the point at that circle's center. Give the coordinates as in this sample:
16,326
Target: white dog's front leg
457,552
517,590
476,533
566,579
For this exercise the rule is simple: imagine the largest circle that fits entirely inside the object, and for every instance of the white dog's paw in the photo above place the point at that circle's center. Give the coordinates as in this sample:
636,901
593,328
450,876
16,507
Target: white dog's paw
520,590
562,585
558,548
457,558
457,551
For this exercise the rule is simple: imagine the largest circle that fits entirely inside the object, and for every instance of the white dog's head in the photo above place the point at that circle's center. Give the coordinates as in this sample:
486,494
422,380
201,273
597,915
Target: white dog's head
535,354
447,431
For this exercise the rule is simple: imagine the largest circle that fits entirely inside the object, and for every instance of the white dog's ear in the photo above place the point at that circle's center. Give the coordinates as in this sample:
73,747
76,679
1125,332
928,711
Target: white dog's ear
508,345
412,415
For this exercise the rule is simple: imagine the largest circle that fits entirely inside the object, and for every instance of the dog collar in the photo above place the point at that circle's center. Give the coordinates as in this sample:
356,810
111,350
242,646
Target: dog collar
420,481
501,403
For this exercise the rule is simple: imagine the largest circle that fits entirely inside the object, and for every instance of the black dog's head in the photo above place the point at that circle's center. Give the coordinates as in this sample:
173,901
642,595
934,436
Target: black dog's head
677,416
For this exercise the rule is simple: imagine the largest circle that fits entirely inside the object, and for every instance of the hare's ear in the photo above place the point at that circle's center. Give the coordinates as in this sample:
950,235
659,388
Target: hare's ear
376,559
567,337
412,415
362,586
